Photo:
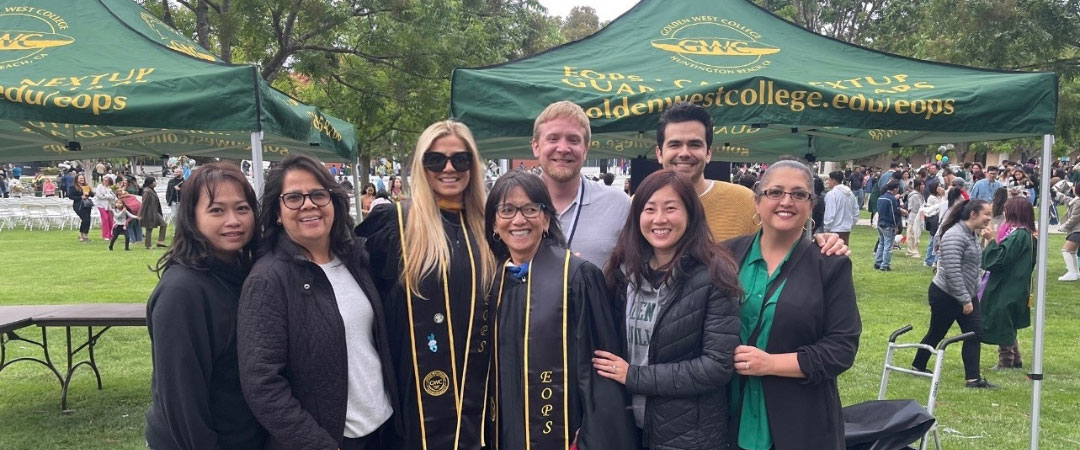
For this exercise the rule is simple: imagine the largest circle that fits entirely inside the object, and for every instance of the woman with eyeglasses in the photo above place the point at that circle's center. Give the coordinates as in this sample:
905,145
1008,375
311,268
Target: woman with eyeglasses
551,310
433,267
678,291
800,324
311,334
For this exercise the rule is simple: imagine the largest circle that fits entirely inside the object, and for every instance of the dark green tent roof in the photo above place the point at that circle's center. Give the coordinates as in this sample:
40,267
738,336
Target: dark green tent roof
109,75
772,88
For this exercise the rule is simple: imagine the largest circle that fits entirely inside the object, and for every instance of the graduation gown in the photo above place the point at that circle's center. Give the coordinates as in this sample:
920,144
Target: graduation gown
441,404
1004,306
547,326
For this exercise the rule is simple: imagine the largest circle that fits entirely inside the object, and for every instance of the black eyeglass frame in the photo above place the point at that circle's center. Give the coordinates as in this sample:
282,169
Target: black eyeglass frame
306,197
436,161
539,210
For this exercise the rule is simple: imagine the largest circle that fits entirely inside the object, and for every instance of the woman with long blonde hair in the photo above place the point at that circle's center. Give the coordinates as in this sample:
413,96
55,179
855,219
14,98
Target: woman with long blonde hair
433,268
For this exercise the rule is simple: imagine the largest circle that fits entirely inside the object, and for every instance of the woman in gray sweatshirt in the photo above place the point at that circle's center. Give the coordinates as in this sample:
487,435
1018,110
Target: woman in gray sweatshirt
953,291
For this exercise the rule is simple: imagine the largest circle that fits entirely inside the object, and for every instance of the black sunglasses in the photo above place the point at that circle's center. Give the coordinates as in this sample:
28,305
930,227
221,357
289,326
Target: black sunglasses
436,162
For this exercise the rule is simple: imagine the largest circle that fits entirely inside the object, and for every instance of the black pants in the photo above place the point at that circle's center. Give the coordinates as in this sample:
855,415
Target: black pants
84,219
116,232
944,310
369,442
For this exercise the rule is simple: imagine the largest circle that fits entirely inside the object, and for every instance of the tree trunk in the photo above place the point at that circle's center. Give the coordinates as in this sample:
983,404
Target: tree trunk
226,31
962,149
202,24
166,15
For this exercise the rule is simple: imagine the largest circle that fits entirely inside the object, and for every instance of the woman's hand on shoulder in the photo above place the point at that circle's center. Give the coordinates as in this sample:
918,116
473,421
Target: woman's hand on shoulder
831,244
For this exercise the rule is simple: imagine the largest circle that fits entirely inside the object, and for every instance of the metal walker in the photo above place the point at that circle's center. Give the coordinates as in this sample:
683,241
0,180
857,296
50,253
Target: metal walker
934,375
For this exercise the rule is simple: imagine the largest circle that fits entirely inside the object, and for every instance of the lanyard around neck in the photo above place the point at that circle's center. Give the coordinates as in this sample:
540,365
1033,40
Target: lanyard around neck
577,214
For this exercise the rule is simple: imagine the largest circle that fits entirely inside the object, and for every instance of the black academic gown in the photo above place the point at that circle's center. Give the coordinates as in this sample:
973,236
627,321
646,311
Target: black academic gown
427,335
595,407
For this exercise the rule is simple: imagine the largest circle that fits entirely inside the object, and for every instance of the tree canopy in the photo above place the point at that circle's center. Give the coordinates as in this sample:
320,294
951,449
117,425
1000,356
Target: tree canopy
385,65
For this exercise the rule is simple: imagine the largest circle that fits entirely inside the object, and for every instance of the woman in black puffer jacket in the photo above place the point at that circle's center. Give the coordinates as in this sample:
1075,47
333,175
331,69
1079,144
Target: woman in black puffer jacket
681,304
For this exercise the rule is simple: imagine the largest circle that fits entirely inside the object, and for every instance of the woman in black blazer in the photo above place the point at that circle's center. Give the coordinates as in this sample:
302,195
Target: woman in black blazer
800,324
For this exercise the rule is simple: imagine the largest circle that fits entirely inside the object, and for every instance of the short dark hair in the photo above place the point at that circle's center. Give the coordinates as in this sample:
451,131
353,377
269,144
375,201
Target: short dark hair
189,247
990,168
892,186
341,230
684,112
147,182
608,178
534,188
837,176
894,165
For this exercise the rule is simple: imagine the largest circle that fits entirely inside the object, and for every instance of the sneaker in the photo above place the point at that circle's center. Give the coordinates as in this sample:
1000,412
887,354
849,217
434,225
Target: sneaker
923,370
877,266
885,269
981,383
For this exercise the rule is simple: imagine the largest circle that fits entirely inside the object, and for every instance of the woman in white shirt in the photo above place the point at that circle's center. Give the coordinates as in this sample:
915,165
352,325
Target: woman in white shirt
103,197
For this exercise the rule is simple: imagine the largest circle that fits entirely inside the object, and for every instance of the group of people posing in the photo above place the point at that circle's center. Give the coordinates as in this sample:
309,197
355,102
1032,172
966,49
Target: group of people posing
549,312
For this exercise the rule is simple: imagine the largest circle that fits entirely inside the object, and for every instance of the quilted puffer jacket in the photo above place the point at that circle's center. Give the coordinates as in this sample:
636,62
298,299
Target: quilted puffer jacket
291,346
690,363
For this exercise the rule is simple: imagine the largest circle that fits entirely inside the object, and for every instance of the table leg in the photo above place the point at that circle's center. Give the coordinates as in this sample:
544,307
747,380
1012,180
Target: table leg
43,345
91,340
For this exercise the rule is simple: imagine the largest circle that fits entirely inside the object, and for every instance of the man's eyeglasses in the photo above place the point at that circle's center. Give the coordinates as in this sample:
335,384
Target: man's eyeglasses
436,162
529,210
295,200
778,194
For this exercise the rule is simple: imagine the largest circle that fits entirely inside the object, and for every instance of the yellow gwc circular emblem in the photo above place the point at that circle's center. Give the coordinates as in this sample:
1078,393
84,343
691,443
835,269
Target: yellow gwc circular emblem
714,45
436,383
27,34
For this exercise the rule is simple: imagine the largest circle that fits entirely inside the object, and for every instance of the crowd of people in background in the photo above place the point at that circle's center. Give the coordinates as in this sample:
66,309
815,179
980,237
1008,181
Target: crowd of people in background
547,309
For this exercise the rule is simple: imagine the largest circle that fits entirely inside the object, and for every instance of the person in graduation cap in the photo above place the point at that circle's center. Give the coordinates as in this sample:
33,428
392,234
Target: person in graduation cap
681,302
433,268
551,310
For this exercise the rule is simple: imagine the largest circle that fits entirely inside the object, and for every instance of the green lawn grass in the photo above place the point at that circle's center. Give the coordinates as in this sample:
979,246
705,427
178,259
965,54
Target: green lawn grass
52,267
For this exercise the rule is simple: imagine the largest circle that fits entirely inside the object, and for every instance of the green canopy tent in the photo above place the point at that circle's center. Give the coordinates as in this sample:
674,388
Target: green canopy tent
772,89
103,78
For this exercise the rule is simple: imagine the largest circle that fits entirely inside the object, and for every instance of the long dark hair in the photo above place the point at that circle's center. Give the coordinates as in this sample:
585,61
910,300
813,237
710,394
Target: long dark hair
189,247
998,201
536,191
962,210
341,235
633,251
147,182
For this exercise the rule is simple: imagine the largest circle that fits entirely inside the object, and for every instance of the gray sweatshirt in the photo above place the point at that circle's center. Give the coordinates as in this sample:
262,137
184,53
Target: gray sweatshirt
959,256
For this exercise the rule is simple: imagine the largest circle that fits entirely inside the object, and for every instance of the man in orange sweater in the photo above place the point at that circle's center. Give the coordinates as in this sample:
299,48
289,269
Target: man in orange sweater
684,144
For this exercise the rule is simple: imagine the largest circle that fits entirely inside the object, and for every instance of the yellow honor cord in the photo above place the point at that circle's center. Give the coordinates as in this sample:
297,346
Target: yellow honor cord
412,328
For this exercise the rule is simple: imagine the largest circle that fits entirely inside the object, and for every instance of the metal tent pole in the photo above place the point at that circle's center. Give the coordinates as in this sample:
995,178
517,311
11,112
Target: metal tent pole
358,188
257,161
1036,374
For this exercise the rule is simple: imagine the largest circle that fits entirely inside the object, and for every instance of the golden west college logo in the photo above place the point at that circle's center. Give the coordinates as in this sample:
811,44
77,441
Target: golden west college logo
174,40
715,45
28,33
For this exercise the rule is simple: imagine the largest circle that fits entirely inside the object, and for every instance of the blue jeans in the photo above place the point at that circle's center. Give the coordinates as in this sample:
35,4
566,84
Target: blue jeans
883,253
931,257
859,196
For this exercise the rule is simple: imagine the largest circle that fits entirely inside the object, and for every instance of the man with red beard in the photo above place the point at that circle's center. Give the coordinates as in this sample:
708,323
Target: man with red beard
590,214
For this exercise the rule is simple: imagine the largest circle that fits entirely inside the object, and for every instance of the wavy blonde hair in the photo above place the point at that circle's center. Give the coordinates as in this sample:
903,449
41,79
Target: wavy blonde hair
426,241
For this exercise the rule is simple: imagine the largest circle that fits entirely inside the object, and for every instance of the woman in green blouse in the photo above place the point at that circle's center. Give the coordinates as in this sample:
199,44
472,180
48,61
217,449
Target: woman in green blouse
800,324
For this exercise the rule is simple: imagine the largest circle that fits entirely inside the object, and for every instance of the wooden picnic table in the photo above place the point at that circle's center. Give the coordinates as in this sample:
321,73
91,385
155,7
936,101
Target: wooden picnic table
90,315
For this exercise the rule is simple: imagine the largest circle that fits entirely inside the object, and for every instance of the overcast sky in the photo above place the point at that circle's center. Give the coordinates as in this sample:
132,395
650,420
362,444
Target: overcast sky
605,9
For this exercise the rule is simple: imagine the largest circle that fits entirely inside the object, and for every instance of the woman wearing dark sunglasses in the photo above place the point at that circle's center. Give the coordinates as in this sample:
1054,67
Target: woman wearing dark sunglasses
311,334
800,324
434,268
